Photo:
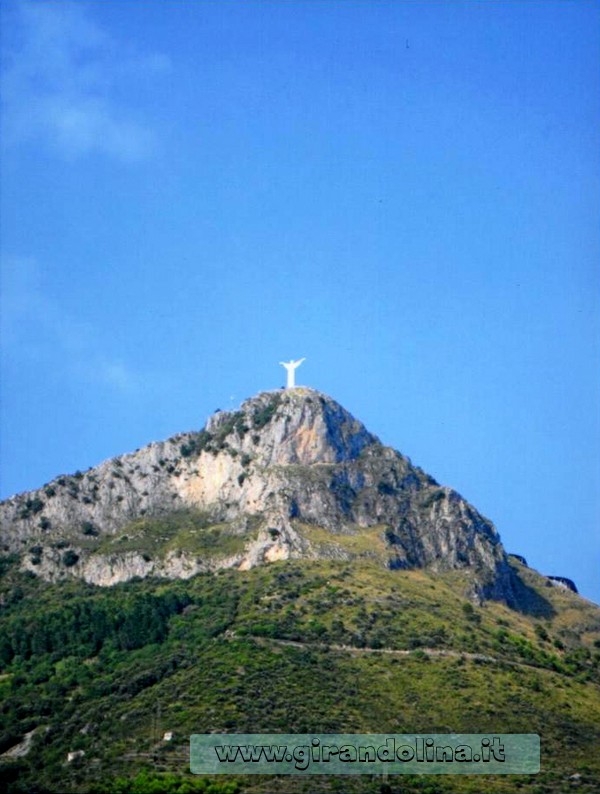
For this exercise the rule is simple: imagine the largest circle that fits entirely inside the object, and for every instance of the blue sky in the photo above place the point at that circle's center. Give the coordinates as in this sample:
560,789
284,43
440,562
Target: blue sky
406,193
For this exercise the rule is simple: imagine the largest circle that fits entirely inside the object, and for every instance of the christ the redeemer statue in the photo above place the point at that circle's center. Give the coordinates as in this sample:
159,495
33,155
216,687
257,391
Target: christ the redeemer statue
291,367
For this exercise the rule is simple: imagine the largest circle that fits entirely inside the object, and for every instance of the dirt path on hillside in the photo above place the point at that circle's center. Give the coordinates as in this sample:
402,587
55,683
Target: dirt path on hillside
435,652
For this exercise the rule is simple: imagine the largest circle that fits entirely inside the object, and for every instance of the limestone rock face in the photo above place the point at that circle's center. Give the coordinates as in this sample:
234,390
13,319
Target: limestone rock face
290,474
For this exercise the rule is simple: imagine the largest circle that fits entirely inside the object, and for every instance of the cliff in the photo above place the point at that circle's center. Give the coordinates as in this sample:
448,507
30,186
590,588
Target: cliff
290,474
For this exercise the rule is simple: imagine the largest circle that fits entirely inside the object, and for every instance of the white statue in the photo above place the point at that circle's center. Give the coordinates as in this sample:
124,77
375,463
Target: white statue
291,367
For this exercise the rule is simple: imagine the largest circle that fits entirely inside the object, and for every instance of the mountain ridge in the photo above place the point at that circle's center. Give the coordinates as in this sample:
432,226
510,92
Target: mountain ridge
267,480
292,574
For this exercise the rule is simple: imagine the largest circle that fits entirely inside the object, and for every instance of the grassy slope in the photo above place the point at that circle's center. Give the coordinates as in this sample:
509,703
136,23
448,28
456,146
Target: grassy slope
320,646
189,530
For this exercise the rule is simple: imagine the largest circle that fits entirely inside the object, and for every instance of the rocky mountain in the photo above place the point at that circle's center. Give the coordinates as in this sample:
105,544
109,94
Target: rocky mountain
279,571
290,474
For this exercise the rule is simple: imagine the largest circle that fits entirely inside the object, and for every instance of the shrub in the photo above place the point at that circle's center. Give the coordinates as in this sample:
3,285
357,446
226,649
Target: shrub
195,445
150,782
70,558
390,536
31,507
36,555
264,415
240,424
470,614
541,632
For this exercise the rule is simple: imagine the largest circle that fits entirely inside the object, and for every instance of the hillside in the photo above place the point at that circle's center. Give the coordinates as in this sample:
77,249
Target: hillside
294,646
280,570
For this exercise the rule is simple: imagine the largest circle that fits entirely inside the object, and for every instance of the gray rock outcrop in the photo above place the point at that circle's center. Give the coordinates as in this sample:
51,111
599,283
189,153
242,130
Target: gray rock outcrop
268,476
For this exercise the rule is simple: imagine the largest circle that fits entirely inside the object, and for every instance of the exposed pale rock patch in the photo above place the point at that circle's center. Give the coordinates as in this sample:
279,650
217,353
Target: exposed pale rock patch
284,460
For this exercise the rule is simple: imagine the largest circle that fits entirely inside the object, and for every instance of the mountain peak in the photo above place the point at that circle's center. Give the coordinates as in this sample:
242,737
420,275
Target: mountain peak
292,426
291,473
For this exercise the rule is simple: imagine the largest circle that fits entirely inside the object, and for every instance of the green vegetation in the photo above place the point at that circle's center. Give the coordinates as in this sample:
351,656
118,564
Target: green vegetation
185,530
195,444
89,529
147,782
235,422
322,646
264,415
70,558
31,507
87,622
